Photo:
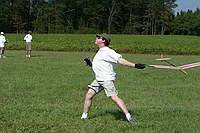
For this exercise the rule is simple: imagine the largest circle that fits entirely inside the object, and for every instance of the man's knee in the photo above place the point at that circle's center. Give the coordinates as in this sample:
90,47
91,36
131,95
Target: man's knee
115,98
90,94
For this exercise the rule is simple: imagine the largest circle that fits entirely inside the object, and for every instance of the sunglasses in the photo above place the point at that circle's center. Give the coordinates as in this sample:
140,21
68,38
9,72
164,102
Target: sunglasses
99,37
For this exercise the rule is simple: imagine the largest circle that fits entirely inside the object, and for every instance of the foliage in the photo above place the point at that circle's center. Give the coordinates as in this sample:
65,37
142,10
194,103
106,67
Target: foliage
45,93
122,43
187,23
146,17
160,15
111,16
5,18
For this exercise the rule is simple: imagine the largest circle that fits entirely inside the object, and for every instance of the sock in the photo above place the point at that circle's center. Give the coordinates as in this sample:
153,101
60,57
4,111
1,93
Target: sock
84,115
128,116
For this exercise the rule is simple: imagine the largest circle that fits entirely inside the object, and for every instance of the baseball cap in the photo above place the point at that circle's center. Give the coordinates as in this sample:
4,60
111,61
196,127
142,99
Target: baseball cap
2,33
29,32
104,35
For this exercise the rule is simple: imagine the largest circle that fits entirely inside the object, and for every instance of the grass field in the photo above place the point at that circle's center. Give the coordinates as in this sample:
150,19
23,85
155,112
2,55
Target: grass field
140,44
45,93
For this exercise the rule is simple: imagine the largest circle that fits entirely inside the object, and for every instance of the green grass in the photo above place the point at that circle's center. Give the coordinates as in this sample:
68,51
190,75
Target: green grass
45,93
142,44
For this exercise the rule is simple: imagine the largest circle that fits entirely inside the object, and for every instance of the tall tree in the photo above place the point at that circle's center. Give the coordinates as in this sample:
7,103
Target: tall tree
112,11
20,15
187,23
5,15
94,16
135,23
48,16
160,14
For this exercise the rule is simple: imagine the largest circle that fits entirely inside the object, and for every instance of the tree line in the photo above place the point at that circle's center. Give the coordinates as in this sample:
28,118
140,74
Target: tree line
147,17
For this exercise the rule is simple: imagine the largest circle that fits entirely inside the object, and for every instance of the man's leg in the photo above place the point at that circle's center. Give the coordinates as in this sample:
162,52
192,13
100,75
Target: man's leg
29,53
1,52
88,102
120,103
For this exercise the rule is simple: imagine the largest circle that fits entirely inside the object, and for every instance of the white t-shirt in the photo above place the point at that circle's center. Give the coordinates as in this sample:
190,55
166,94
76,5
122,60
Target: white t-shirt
2,40
28,38
103,64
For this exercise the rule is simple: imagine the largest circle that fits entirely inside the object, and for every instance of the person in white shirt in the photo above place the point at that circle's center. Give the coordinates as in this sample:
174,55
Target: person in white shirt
28,38
103,67
2,45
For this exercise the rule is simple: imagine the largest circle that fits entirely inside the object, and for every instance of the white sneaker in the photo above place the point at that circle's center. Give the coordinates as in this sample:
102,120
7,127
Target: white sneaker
84,116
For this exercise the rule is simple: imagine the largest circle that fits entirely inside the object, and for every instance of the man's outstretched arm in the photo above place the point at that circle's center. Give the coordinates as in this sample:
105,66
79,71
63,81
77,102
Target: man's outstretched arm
125,62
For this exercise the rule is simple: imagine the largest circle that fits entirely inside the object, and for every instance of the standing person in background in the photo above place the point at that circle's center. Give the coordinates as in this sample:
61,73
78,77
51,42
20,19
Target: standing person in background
28,38
103,67
2,44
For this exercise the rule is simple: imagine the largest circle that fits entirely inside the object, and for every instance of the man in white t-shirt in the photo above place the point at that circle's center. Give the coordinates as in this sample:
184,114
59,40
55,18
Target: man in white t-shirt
2,45
103,67
28,38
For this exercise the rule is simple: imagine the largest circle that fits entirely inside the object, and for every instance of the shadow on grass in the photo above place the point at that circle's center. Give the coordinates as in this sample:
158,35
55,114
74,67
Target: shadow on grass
36,56
8,56
117,114
32,56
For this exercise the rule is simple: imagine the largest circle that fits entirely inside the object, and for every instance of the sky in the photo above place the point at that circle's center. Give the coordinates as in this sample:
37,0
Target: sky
184,5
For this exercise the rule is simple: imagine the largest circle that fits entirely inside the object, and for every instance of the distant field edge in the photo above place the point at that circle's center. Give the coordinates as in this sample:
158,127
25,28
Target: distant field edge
138,44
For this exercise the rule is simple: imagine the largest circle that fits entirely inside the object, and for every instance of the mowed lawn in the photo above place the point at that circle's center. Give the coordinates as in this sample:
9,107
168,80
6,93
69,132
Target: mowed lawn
45,93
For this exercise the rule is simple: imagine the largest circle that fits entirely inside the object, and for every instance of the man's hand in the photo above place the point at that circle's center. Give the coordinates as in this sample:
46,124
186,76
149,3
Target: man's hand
140,66
88,62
